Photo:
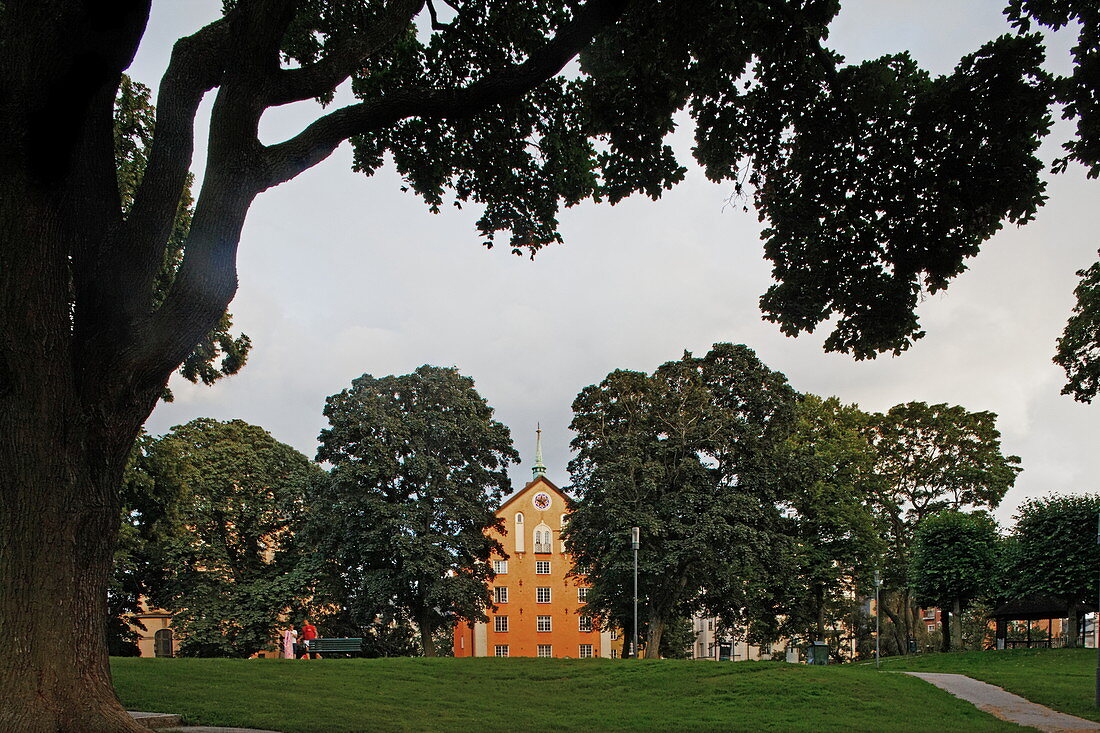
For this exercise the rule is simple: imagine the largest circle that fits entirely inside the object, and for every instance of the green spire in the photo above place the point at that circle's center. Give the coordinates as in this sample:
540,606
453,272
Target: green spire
539,469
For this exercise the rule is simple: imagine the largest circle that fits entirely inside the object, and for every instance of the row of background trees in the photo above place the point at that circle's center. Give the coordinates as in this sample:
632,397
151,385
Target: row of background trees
768,509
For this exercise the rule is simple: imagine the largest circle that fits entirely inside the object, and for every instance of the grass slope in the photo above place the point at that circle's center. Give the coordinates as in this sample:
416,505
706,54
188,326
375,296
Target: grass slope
1063,679
539,694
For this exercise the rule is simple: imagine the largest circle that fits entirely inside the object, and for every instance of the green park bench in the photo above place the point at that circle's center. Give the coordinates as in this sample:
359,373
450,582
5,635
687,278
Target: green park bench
335,646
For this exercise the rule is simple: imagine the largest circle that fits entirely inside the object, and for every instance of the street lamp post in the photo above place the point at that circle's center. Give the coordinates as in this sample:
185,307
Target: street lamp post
634,537
1096,626
878,614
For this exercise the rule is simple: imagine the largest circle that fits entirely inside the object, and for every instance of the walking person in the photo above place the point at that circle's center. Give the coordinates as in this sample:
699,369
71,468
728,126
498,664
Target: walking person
309,631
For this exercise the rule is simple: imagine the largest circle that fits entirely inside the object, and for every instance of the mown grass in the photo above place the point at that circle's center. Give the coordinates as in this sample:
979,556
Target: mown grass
487,695
1063,679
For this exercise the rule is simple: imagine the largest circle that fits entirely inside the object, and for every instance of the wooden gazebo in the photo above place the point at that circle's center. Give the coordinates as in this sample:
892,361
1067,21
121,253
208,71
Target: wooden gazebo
1038,608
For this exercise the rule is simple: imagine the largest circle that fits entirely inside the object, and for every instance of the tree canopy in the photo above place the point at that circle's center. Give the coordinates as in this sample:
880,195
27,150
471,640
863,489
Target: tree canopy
691,455
831,496
418,469
876,182
954,563
233,569
931,458
1054,553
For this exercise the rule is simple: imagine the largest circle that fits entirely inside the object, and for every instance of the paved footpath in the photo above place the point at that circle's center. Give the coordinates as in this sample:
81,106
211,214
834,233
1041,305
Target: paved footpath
1005,705
170,723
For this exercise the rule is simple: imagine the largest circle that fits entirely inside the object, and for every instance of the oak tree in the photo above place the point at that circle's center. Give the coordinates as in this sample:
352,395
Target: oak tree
692,455
876,182
418,468
830,500
931,458
232,568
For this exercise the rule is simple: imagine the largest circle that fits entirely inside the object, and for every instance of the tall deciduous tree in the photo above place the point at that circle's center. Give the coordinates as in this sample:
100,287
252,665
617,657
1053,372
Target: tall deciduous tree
1055,552
955,556
931,458
832,488
877,181
692,455
233,568
418,469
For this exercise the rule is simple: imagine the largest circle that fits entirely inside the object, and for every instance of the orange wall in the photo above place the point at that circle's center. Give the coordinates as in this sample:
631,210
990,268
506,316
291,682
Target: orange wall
521,580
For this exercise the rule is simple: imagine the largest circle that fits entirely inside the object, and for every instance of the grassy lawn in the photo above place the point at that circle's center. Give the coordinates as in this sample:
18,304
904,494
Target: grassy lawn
1063,679
539,694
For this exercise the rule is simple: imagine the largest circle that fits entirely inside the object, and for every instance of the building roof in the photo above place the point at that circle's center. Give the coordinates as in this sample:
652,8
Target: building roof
548,485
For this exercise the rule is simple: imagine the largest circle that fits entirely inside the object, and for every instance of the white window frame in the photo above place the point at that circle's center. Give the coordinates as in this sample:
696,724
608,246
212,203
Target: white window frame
500,567
582,595
614,634
500,594
585,651
500,624
500,650
545,650
544,624
541,592
542,567
583,622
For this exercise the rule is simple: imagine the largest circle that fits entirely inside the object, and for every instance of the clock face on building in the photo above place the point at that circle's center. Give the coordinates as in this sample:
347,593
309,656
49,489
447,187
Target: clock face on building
541,501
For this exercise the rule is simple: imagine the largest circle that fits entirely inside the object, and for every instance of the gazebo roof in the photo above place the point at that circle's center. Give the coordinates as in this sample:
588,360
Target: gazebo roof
1037,607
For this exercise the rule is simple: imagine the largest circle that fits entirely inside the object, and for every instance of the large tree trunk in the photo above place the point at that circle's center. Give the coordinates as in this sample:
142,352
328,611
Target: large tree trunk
59,512
956,626
895,623
946,620
427,631
1072,627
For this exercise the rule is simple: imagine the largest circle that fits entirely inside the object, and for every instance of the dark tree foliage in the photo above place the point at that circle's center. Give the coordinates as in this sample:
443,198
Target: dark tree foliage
931,458
832,489
150,516
1079,347
692,455
233,570
418,469
955,562
1054,551
876,183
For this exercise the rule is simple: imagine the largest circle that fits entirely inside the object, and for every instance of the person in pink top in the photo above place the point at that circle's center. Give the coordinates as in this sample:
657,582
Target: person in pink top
290,640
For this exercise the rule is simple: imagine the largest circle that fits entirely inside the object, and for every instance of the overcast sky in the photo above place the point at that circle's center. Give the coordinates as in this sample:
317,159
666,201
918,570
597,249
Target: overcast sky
342,275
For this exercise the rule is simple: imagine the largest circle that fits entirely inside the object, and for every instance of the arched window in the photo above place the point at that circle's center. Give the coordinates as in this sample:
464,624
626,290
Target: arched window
518,534
543,541
162,643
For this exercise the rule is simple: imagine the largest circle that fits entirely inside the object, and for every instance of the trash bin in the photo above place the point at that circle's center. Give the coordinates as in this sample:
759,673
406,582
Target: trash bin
817,653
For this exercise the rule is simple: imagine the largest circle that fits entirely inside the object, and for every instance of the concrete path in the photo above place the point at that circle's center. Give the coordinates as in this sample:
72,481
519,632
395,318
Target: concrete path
1005,705
170,723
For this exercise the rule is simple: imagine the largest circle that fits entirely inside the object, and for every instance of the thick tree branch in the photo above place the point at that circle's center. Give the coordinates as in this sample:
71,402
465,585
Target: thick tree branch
286,160
322,77
196,67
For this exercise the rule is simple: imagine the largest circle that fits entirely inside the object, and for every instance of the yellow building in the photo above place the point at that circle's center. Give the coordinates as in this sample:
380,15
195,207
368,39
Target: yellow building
537,606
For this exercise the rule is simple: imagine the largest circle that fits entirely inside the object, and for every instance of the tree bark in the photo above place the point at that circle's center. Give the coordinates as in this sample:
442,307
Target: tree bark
654,631
427,642
1072,627
946,621
956,626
